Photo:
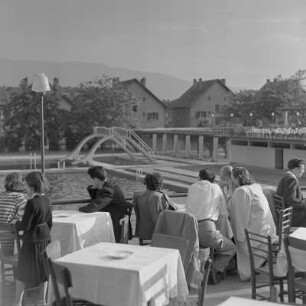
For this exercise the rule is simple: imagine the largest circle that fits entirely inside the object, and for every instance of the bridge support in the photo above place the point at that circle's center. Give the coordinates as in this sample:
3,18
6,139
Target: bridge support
164,145
201,147
187,146
175,145
215,149
154,142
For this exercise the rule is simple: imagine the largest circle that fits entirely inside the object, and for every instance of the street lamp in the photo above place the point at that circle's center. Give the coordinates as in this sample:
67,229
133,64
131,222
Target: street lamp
41,85
272,114
251,115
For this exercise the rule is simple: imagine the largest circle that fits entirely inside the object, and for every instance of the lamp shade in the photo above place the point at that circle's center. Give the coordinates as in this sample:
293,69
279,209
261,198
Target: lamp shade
40,83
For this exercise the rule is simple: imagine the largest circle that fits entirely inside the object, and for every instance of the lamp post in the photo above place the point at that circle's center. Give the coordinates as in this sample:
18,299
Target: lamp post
272,114
251,115
41,85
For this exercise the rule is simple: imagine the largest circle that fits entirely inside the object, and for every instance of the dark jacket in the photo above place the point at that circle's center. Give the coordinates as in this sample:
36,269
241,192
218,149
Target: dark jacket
289,189
37,220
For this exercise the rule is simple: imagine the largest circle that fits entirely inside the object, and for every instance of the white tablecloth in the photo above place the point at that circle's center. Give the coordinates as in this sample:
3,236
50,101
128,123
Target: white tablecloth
297,256
99,277
234,301
77,230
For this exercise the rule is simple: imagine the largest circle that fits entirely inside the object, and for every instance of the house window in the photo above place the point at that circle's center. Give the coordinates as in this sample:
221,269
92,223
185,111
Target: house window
209,98
200,114
144,99
152,116
197,115
217,107
135,108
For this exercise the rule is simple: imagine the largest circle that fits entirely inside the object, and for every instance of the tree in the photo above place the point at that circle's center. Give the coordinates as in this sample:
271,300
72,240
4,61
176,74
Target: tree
98,103
22,119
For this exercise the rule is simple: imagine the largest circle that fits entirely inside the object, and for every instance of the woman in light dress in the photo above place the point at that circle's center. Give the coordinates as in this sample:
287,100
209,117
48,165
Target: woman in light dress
248,209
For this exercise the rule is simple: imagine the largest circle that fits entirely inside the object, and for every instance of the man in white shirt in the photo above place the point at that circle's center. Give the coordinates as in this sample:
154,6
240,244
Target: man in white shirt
206,201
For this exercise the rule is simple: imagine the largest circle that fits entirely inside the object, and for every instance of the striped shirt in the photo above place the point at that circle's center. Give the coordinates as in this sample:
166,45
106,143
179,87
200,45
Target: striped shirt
12,205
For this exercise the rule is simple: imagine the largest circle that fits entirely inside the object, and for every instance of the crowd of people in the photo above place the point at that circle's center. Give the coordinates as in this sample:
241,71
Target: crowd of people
223,211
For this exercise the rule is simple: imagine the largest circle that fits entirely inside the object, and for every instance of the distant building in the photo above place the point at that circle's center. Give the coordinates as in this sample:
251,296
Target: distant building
201,105
144,110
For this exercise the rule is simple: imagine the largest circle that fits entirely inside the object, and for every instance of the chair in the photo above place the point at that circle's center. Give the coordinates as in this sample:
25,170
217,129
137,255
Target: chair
171,242
279,205
9,260
296,282
137,215
61,278
260,248
124,223
285,218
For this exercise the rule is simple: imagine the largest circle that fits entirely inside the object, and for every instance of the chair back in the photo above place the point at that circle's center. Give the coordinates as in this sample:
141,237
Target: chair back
285,218
293,243
205,269
60,275
260,250
279,203
171,242
124,223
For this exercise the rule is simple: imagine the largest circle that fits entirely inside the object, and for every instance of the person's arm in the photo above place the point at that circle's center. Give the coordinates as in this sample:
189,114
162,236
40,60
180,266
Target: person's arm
26,221
290,194
239,209
103,197
18,212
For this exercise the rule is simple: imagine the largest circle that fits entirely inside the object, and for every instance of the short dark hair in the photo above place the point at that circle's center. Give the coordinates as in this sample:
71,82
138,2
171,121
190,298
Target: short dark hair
97,172
295,163
37,181
207,175
243,175
14,182
153,181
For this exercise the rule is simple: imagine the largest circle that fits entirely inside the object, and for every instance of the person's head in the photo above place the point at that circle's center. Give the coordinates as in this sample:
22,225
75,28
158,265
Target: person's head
296,166
36,182
241,176
153,181
97,172
207,175
14,182
226,173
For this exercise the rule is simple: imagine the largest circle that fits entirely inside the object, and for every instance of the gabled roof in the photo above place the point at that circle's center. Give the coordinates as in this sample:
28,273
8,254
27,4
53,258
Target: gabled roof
128,82
195,91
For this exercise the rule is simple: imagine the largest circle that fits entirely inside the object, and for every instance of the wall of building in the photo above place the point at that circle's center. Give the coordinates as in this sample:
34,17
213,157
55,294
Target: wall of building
146,105
291,153
215,95
181,117
253,156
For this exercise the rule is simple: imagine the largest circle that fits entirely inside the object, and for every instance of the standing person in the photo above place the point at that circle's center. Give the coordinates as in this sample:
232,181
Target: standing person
206,202
105,196
289,189
12,203
249,209
36,225
150,204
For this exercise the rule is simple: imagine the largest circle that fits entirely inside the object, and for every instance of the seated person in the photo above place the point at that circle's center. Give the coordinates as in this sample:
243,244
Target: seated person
106,196
12,204
289,189
150,204
249,209
205,201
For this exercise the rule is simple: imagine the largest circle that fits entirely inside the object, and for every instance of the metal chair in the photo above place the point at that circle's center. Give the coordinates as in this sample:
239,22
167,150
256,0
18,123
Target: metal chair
260,248
124,223
279,205
8,259
296,281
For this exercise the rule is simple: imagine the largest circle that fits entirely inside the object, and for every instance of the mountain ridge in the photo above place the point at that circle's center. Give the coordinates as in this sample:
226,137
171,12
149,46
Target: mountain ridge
165,87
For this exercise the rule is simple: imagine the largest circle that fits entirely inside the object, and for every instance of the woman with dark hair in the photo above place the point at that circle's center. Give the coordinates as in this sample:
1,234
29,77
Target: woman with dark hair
150,204
249,209
36,225
12,203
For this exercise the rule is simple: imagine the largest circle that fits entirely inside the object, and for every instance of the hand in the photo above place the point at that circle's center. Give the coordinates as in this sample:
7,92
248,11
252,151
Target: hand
13,222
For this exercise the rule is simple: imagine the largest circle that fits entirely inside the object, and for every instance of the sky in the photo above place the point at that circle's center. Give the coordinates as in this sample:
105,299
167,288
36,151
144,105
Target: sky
244,41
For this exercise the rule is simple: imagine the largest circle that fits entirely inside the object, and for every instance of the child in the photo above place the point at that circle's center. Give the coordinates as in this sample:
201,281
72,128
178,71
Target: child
36,223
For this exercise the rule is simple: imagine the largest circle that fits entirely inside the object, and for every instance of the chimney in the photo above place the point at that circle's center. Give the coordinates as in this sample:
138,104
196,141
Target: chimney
143,81
200,83
268,81
223,81
55,84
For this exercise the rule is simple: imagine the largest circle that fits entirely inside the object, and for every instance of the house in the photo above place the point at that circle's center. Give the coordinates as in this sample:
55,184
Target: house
201,105
144,110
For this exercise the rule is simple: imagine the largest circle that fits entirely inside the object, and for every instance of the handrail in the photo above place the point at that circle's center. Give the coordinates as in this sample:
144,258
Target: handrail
84,201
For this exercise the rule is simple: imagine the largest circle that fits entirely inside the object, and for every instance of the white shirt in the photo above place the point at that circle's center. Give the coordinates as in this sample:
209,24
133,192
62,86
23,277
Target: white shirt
205,200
